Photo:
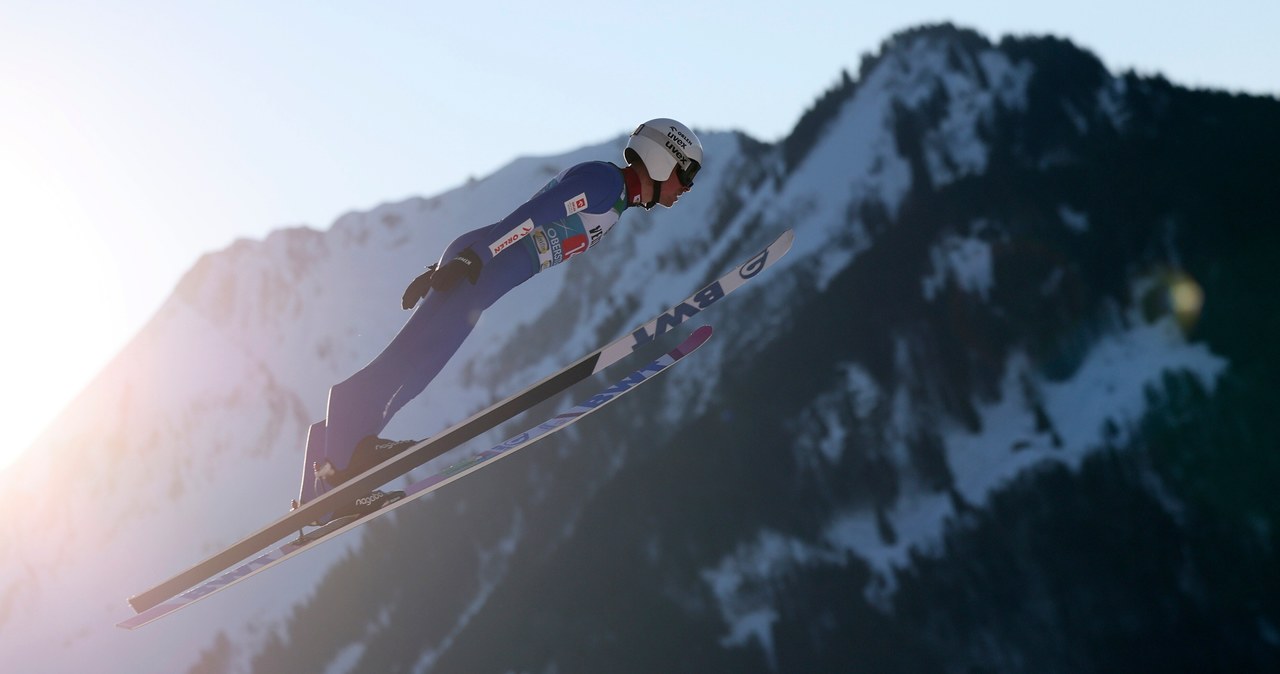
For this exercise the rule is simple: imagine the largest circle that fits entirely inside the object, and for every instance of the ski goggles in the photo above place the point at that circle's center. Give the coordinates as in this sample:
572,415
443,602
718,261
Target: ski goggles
686,170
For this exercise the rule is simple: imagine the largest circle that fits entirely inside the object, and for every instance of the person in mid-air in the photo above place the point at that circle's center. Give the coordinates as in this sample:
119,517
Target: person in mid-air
569,215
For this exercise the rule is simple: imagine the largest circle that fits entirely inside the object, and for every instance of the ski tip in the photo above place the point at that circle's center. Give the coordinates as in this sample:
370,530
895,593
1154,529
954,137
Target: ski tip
696,339
787,238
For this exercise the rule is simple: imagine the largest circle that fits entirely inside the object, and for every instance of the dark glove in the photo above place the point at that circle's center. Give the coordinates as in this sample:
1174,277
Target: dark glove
466,265
418,289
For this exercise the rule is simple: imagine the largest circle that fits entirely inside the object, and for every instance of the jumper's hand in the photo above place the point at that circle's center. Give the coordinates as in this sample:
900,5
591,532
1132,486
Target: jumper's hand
466,265
418,288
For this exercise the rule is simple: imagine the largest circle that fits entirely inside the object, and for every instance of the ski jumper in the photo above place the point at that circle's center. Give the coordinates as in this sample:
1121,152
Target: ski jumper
570,214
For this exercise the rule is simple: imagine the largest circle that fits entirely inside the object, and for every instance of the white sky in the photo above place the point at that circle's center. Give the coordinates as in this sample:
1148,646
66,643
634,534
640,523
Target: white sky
136,135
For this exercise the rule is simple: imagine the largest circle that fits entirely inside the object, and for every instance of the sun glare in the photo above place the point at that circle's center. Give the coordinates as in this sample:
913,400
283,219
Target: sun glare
61,290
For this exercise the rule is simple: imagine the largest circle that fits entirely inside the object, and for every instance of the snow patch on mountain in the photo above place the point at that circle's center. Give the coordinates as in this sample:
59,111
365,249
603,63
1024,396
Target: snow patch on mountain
826,430
1075,220
1106,393
742,583
972,88
966,261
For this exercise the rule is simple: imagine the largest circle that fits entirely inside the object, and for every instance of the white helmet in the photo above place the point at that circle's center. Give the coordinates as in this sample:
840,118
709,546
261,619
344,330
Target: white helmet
665,144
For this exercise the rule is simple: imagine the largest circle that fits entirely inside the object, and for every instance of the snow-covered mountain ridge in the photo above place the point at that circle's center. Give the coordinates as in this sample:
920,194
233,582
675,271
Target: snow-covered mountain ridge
976,326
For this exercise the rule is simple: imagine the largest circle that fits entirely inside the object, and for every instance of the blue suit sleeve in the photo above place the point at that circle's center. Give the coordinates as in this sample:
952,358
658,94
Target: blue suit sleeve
592,187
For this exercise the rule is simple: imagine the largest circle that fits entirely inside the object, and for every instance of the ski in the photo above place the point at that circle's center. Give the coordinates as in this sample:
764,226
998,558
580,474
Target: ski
424,486
466,430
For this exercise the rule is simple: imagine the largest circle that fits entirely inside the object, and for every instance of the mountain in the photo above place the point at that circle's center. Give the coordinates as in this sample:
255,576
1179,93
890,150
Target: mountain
1006,406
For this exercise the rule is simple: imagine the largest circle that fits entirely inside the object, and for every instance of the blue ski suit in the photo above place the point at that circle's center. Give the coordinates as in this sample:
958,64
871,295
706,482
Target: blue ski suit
570,214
